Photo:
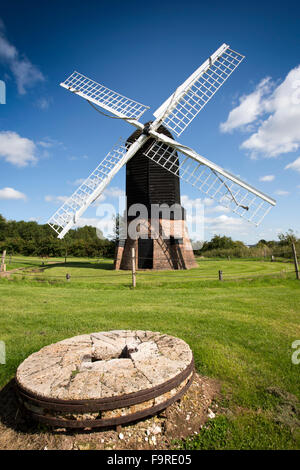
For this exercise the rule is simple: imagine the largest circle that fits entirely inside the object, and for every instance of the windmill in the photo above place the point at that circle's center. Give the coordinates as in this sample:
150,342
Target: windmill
154,143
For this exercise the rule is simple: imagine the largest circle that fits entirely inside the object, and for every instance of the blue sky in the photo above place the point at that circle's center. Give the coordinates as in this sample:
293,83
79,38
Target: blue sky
50,139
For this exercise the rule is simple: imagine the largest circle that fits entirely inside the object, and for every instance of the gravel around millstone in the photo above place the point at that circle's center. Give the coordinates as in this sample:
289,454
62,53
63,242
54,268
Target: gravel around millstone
183,418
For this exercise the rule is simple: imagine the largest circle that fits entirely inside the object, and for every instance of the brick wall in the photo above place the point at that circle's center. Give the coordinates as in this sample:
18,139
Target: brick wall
167,253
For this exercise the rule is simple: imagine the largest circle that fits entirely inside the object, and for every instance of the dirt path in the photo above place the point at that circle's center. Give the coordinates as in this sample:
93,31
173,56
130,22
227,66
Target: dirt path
8,273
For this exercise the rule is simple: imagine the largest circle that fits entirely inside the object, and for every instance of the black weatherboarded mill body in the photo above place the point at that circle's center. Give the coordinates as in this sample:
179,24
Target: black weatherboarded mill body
149,184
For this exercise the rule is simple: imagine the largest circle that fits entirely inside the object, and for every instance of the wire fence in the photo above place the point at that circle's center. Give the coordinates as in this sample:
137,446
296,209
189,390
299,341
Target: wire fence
38,270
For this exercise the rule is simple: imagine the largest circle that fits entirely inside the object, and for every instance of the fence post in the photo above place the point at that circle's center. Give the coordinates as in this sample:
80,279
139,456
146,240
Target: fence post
220,275
133,267
3,265
296,261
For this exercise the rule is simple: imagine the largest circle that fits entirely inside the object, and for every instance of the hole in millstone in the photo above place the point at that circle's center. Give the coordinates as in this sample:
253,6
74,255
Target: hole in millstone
95,359
129,349
125,354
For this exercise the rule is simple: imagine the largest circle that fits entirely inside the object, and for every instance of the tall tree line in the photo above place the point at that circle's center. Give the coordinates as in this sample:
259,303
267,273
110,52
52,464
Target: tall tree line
33,239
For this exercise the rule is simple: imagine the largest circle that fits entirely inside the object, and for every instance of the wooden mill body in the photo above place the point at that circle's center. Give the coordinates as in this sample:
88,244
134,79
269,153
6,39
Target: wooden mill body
151,185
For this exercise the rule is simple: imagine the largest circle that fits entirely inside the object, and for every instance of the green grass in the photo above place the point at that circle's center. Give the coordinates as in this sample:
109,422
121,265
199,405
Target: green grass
101,270
240,331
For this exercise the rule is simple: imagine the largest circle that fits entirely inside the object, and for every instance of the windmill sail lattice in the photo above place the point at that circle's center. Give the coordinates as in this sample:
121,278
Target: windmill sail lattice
226,189
68,214
176,113
107,99
189,99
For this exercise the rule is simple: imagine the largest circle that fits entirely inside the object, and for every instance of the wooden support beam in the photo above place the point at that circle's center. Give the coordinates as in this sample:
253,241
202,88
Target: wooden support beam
296,261
3,265
133,267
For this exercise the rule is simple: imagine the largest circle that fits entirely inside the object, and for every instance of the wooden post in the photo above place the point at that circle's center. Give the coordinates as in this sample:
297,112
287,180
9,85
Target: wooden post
220,275
133,267
296,261
3,265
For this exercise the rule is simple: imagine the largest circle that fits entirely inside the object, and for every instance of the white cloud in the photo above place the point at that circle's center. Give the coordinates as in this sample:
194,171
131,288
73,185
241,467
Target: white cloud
10,193
294,165
43,103
279,131
26,74
73,158
223,222
99,200
94,222
48,142
186,201
77,182
226,225
198,217
250,108
217,208
209,204
208,201
106,227
56,199
114,192
267,178
281,192
16,149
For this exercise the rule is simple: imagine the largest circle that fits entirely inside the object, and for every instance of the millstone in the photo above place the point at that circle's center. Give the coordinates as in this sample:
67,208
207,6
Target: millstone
104,379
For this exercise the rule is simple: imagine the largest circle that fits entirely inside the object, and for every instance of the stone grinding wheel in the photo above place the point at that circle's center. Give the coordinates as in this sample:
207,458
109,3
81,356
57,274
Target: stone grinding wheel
104,379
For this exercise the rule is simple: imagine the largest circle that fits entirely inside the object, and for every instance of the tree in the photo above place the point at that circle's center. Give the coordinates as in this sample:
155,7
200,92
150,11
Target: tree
30,238
2,227
218,242
287,238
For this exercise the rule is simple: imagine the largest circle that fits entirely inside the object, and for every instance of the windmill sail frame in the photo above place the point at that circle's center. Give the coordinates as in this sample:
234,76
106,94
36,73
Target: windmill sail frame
73,208
110,100
179,110
217,183
176,113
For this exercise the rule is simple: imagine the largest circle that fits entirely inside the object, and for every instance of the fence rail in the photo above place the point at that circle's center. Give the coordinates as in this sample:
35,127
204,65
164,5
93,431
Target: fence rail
37,269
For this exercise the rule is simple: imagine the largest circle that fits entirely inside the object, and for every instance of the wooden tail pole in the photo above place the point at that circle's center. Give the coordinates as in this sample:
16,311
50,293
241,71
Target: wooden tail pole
133,267
220,275
296,261
3,265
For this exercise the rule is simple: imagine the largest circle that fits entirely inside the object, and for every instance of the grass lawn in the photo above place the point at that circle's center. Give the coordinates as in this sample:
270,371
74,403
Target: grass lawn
241,332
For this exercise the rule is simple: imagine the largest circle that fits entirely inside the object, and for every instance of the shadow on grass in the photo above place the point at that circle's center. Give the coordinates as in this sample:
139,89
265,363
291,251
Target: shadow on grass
10,412
109,266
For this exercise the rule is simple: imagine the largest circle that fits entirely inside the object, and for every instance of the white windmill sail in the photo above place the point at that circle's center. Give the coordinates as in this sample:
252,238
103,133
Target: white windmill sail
217,183
68,214
176,113
182,107
107,99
